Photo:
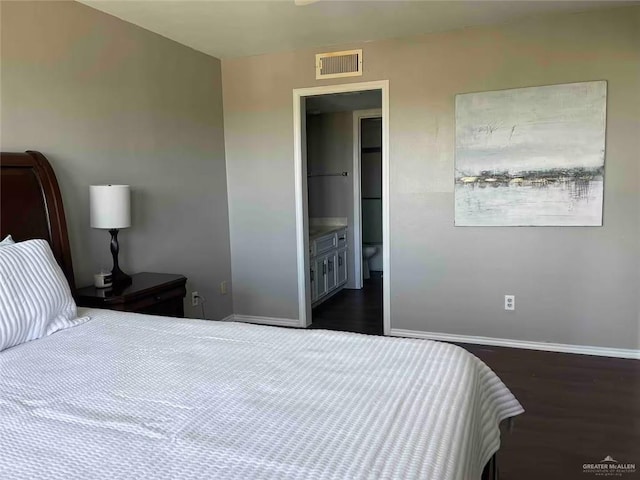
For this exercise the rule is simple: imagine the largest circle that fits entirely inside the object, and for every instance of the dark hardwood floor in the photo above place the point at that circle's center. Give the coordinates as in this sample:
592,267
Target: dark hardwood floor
578,408
358,311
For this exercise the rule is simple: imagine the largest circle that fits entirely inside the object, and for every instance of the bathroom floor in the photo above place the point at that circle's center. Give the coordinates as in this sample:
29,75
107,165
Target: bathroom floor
358,311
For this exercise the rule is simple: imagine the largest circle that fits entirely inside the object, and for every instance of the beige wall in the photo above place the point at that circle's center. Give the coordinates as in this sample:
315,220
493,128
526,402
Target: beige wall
108,102
572,285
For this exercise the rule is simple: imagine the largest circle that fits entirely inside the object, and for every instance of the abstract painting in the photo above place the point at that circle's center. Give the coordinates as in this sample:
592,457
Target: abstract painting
531,156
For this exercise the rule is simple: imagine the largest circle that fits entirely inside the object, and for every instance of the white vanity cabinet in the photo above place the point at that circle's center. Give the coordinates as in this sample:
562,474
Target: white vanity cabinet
342,267
331,262
314,281
328,263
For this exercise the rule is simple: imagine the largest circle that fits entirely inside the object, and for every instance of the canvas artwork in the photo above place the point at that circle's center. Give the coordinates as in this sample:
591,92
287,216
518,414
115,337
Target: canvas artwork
531,156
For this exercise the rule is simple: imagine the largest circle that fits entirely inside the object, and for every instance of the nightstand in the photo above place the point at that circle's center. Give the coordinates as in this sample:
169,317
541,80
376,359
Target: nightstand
151,293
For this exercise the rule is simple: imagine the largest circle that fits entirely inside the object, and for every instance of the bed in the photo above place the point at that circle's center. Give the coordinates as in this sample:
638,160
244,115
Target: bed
128,396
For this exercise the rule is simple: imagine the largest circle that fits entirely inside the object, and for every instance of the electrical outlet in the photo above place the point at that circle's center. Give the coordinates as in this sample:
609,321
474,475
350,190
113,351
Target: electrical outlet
195,299
509,302
223,288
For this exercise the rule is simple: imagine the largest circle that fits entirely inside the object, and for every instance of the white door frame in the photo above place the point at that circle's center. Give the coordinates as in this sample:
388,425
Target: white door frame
302,227
358,115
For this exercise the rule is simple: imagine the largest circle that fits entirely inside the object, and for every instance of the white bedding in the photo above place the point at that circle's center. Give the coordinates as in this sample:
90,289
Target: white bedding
127,396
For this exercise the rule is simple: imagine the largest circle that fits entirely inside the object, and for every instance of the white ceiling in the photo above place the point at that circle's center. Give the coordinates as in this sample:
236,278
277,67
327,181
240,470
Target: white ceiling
227,29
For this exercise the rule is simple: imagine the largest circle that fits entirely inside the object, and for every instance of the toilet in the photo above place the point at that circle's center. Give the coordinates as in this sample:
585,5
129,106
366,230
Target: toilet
367,253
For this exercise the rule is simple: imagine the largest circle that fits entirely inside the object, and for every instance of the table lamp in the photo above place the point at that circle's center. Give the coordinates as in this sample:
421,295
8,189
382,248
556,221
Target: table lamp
110,207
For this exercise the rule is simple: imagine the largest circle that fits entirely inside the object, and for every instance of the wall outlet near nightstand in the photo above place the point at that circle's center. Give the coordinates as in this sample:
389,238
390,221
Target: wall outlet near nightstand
509,302
195,299
223,287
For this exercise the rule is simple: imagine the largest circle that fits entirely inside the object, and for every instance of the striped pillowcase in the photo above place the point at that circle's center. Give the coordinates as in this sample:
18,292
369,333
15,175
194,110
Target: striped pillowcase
35,298
7,241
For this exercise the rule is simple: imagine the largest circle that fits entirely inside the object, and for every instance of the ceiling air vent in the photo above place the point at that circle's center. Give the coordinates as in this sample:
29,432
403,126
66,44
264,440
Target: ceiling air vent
339,64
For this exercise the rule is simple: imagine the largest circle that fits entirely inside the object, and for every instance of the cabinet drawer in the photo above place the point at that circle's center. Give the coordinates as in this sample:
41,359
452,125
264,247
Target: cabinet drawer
326,243
168,302
171,307
341,238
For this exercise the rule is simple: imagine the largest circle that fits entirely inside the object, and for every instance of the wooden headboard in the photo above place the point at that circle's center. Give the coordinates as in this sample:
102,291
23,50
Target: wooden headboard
31,205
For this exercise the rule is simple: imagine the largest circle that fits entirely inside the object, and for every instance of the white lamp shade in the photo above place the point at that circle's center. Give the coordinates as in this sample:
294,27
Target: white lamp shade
110,206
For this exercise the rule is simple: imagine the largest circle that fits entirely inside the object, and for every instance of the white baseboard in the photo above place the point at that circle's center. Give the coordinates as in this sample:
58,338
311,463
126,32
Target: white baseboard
279,322
505,342
228,318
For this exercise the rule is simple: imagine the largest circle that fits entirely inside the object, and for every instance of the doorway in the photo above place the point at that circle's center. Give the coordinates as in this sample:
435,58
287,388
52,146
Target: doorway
314,179
367,160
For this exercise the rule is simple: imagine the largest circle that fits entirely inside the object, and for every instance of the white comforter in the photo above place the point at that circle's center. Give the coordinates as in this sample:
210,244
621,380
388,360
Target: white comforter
128,396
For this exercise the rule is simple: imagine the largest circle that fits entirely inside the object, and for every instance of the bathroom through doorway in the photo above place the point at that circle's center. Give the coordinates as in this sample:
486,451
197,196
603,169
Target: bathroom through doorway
344,175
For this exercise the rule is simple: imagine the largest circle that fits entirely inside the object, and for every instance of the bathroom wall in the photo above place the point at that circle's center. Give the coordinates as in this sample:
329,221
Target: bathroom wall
330,150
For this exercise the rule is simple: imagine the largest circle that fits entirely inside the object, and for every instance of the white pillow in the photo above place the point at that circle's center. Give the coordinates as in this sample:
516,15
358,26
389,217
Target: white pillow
35,298
7,241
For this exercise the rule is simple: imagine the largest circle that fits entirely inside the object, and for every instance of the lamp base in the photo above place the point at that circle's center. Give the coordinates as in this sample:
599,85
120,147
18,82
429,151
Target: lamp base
118,277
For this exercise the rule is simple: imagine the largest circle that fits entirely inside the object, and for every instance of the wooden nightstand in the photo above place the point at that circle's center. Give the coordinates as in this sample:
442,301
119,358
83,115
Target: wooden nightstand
152,293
